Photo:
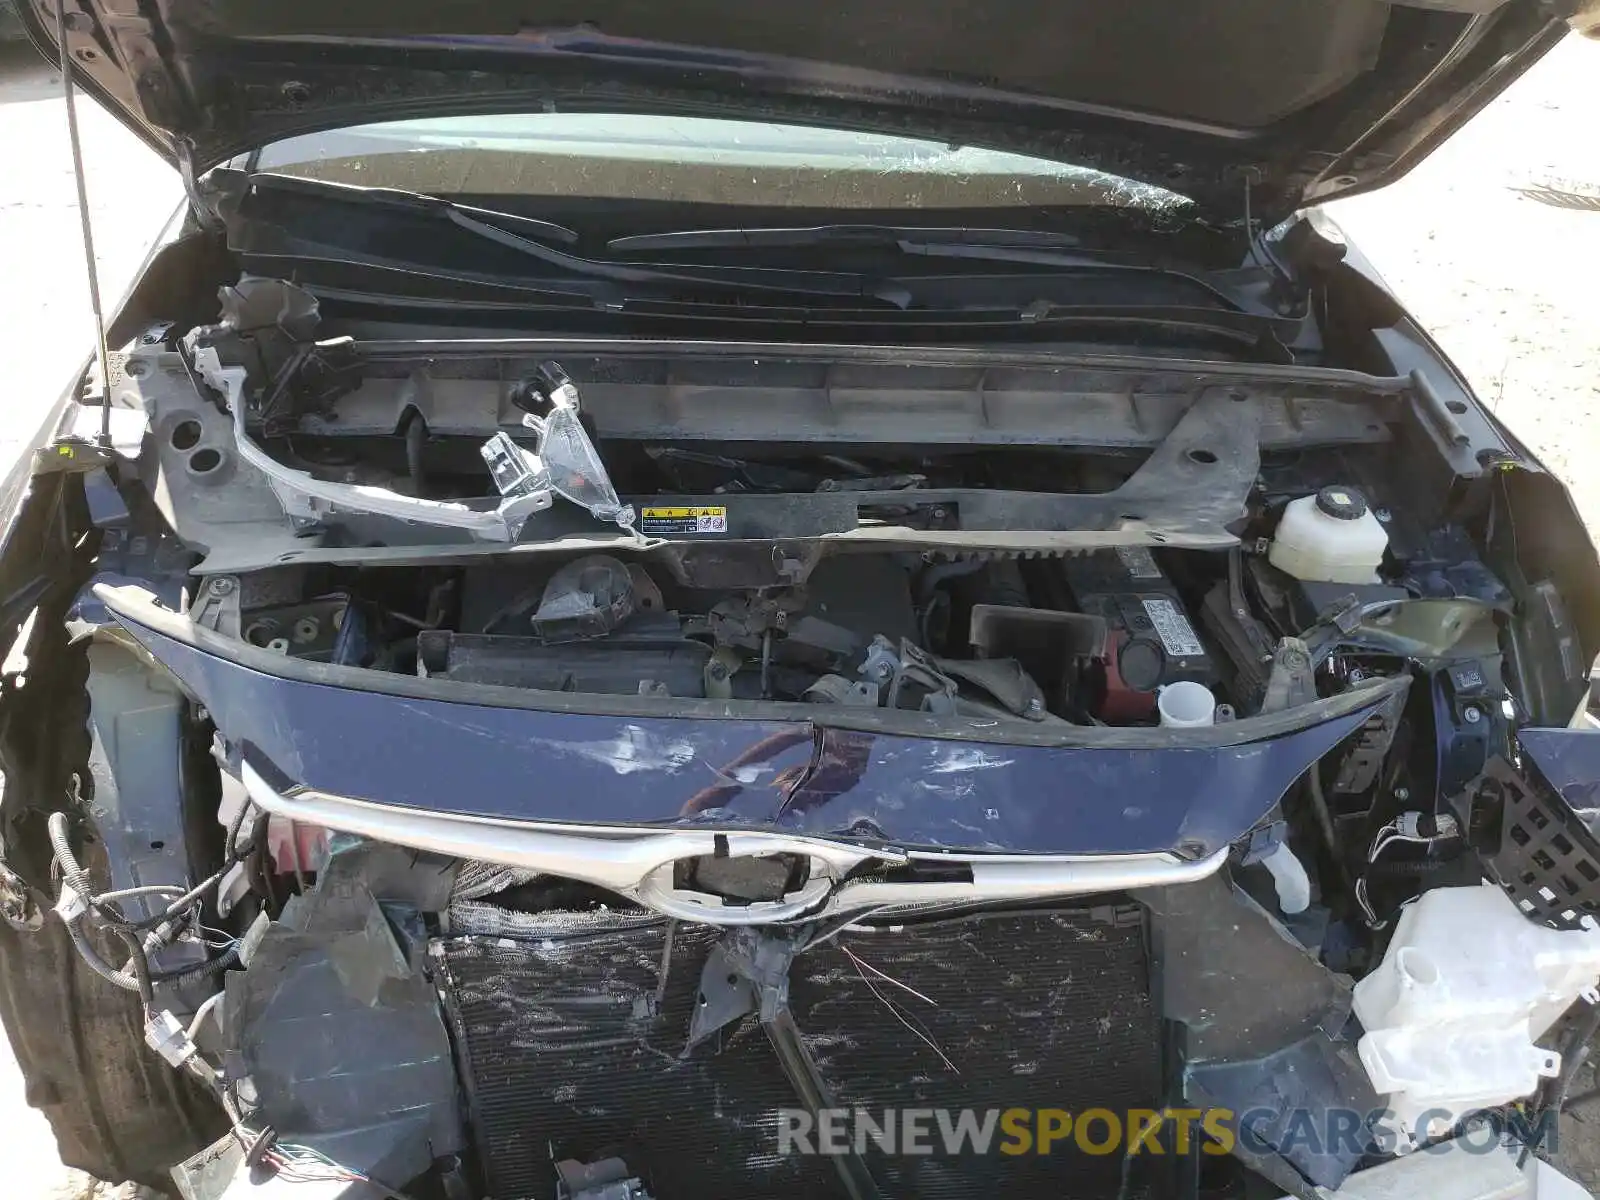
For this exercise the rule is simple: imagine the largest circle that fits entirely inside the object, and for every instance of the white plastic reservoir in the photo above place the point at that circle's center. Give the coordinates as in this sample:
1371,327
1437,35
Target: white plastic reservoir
1186,703
1464,988
1331,537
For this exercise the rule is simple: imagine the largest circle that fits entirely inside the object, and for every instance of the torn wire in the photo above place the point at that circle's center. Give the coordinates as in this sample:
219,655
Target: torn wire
862,963
910,1022
292,1161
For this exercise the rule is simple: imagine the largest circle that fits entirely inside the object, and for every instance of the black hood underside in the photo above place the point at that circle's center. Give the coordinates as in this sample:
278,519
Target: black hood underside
1299,99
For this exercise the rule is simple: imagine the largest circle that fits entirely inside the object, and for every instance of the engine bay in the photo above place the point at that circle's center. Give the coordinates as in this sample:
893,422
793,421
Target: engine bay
578,641
1088,638
635,714
845,531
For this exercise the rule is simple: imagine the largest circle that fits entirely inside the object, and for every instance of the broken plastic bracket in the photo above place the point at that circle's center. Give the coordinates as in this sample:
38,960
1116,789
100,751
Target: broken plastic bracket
747,971
607,1179
515,471
572,465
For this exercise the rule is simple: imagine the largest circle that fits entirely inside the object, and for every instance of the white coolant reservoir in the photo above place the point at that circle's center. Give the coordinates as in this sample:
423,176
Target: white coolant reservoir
1331,537
1464,988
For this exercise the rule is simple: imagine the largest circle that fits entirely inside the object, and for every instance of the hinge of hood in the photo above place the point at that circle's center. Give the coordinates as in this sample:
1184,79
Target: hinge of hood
121,30
200,203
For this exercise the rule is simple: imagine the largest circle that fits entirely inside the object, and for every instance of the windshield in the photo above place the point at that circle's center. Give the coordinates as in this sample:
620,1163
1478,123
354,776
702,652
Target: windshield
694,160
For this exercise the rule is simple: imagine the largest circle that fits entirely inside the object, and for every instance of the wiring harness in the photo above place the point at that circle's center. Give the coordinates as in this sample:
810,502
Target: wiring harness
1408,829
80,906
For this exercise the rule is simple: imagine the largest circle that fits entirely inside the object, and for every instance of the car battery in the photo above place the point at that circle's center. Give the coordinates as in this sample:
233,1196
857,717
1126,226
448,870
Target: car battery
1151,641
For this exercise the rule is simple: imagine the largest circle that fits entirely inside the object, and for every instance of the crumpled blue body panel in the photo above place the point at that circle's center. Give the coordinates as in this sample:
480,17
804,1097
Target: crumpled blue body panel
794,776
1569,759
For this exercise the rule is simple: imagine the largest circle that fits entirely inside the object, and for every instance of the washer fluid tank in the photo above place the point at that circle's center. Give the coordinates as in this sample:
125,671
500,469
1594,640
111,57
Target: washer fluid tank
1465,988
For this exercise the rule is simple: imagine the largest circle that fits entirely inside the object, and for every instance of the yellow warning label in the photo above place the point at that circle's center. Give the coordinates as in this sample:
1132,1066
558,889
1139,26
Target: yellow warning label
683,520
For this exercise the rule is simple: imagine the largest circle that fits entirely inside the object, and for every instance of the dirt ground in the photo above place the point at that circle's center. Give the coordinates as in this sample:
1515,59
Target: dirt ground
1506,282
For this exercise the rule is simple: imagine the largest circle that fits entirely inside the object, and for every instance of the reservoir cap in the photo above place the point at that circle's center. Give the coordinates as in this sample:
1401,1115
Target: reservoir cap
1342,503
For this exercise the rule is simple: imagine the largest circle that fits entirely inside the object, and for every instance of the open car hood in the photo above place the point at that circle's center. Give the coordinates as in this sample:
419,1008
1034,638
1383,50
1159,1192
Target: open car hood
1304,99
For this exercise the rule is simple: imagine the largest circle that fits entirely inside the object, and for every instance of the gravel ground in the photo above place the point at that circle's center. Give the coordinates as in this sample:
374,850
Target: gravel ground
1503,279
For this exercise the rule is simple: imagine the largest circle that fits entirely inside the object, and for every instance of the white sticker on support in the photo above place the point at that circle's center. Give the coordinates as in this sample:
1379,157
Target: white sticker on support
1141,564
1176,634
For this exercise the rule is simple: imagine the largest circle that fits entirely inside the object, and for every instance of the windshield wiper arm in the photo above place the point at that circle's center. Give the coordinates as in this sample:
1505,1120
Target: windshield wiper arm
840,235
1040,248
469,220
1043,257
529,228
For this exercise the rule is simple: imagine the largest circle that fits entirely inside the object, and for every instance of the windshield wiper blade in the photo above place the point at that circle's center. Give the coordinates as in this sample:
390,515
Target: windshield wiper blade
747,279
840,235
1039,248
320,265
1041,257
531,228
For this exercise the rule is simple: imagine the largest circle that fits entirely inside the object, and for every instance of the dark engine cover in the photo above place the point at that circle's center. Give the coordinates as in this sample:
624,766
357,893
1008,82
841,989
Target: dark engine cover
572,1044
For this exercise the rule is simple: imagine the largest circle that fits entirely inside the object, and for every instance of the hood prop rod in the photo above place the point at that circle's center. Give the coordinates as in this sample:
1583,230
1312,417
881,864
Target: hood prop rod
102,356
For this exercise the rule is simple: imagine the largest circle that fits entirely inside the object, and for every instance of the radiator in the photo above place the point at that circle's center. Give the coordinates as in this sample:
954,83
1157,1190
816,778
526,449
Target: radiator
571,1045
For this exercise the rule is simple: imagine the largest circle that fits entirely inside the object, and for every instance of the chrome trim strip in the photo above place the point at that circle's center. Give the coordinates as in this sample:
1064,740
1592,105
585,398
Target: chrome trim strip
638,862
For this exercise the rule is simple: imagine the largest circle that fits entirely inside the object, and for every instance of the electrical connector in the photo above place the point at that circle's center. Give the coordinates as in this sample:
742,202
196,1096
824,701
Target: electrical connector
1421,825
72,904
165,1034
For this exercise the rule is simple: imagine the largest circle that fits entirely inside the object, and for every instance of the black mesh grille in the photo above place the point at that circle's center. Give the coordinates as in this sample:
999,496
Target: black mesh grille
1548,861
569,1052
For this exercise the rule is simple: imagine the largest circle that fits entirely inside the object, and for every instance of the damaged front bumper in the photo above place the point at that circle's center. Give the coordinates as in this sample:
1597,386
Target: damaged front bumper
490,754
1061,913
